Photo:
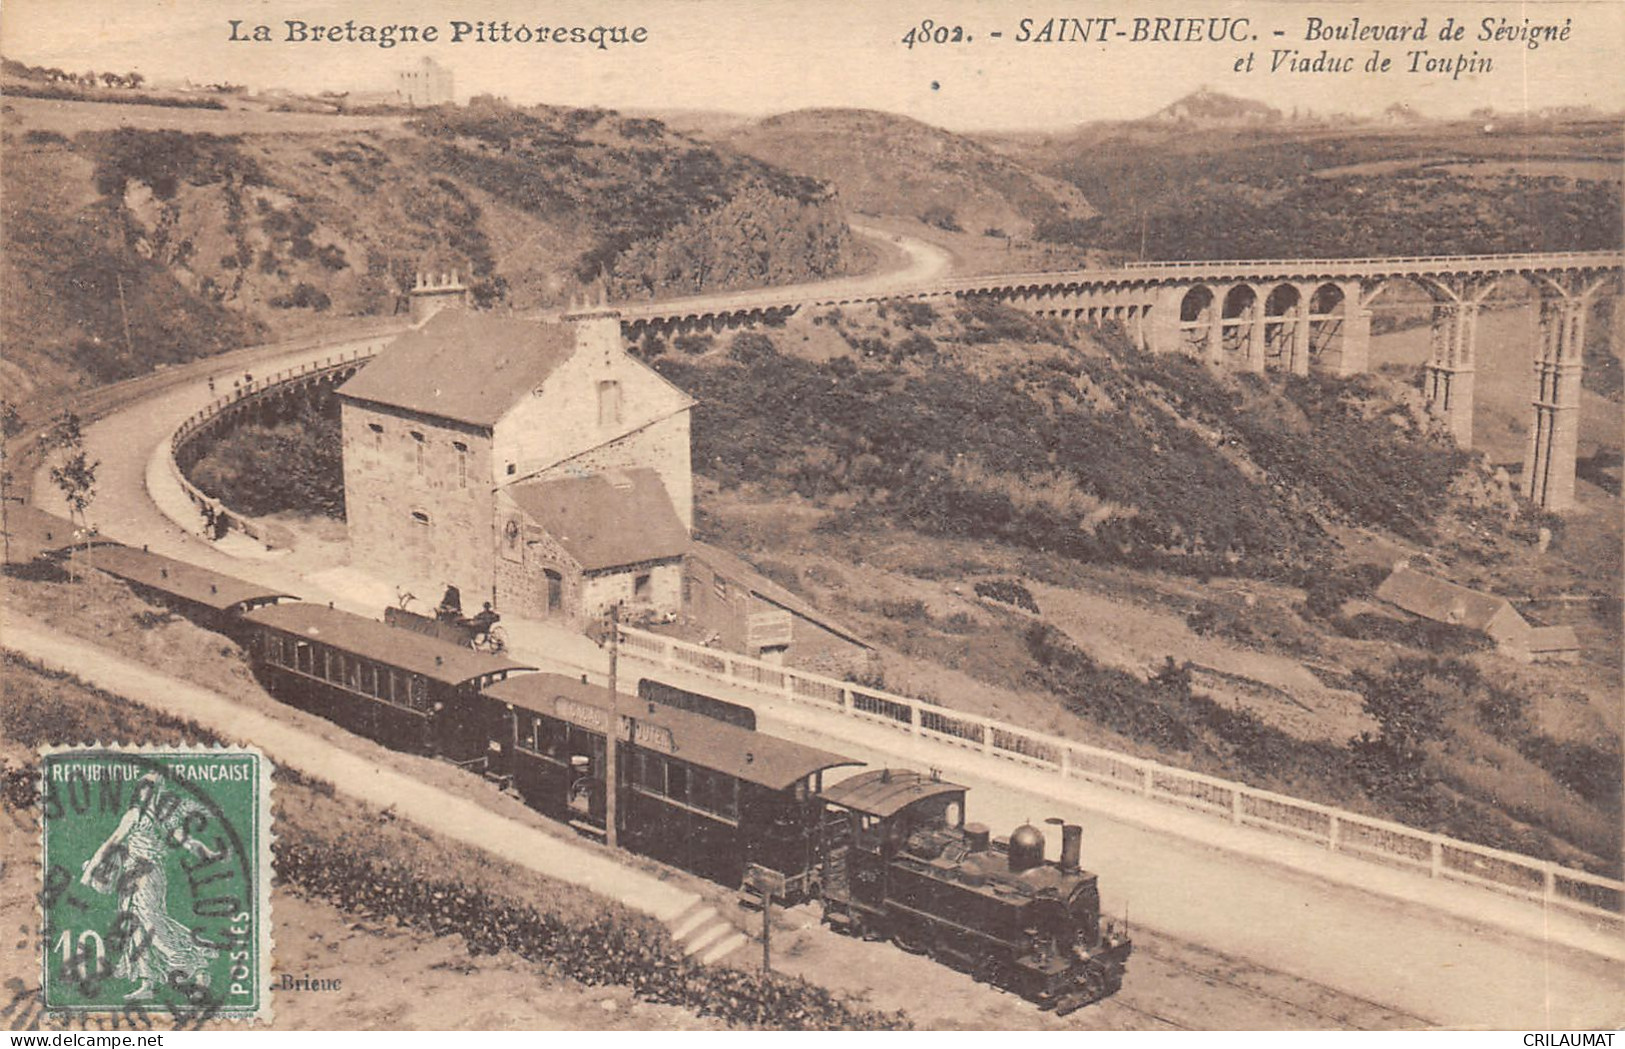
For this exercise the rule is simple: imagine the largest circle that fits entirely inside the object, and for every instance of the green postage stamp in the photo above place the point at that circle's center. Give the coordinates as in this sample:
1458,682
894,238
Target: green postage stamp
156,881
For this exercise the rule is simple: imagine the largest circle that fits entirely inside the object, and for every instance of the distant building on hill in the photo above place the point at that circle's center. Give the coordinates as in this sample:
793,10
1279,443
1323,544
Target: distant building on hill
426,83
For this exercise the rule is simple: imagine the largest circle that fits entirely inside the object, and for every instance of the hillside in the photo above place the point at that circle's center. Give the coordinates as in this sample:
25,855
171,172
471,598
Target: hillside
1271,190
892,165
127,247
1203,552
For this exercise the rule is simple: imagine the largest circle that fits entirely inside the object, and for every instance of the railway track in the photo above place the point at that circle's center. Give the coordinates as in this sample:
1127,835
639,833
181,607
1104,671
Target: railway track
1178,966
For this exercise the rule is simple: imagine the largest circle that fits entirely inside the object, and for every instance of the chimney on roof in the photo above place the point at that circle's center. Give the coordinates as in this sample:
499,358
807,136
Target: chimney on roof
432,293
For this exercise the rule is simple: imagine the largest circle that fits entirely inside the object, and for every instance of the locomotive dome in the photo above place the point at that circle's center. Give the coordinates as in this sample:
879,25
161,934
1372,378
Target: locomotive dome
1026,848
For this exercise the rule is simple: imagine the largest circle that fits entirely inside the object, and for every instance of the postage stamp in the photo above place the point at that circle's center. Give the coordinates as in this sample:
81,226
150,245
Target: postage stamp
156,881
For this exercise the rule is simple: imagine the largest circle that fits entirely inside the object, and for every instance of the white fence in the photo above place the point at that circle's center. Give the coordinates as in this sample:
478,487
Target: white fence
1335,829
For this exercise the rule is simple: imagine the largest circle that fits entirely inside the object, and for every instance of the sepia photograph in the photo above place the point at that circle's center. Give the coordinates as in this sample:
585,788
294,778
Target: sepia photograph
752,515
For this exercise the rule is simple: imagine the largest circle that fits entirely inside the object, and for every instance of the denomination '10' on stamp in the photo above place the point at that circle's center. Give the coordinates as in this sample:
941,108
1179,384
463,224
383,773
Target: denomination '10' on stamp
155,886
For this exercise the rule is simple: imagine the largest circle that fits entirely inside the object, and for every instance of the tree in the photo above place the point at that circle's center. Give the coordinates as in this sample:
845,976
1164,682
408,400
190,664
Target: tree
74,473
134,80
112,80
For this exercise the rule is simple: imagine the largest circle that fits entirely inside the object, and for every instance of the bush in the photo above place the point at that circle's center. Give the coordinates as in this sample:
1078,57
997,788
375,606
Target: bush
303,296
1008,591
941,217
692,344
288,466
749,347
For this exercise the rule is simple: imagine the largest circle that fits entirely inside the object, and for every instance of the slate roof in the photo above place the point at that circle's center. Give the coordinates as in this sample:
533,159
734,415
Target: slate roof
717,745
739,571
409,651
464,365
606,520
188,582
1444,601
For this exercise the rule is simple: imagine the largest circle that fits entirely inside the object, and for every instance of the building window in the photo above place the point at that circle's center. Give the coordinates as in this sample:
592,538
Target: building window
419,517
609,402
641,587
417,450
462,464
720,585
377,436
510,469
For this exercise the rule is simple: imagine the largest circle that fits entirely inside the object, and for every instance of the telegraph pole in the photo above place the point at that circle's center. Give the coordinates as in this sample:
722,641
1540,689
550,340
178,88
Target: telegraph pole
612,738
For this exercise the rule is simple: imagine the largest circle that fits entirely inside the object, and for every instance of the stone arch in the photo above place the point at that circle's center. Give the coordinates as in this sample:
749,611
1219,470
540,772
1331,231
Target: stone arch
1328,316
1240,326
1280,326
1199,335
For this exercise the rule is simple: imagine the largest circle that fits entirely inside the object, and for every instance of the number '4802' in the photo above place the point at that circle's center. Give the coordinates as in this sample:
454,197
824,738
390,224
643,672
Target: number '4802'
928,32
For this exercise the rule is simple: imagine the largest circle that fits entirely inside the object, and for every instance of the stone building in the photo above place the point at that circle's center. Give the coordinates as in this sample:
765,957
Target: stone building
424,83
1493,616
532,464
749,613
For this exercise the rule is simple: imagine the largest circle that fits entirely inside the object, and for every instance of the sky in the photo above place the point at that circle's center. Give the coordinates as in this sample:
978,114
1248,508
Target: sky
765,56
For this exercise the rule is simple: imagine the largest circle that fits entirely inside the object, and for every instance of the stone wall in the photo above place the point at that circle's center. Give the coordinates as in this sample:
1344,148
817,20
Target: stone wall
418,500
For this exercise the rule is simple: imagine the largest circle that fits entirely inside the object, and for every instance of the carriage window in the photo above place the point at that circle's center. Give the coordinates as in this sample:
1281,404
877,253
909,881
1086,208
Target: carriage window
420,693
352,672
677,781
301,657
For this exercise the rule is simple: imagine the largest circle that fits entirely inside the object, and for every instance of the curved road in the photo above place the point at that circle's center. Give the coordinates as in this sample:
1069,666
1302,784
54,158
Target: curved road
1257,904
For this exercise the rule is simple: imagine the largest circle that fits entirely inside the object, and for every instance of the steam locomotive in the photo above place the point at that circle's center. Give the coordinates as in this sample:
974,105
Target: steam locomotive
898,860
885,853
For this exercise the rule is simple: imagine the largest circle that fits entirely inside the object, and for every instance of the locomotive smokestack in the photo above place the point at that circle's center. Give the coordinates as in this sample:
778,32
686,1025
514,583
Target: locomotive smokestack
1071,847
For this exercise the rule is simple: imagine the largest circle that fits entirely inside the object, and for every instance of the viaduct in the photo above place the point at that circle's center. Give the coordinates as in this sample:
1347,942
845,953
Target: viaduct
1293,315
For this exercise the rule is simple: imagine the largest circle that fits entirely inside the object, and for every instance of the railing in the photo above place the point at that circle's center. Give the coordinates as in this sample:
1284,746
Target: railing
1341,831
211,508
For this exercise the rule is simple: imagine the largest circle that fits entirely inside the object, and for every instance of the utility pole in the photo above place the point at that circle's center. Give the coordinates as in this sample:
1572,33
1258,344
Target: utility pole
612,738
129,347
767,931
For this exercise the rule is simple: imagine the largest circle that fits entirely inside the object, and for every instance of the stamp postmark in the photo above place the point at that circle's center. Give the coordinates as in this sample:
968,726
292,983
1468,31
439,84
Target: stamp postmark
156,870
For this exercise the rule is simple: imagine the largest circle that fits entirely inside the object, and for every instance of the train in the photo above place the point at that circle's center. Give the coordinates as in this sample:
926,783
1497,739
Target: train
883,853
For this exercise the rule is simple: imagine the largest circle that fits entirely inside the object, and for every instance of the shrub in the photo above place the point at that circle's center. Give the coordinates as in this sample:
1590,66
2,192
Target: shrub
942,217
748,347
303,296
1008,591
692,344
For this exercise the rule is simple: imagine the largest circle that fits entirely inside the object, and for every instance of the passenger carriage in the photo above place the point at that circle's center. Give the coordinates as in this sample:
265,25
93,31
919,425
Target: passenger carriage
407,691
693,790
212,600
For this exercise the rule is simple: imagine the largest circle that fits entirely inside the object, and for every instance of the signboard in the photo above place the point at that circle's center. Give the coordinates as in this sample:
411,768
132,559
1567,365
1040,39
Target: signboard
765,881
583,714
768,628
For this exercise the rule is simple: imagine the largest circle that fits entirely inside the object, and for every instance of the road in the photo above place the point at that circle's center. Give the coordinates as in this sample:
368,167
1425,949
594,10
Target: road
1414,959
